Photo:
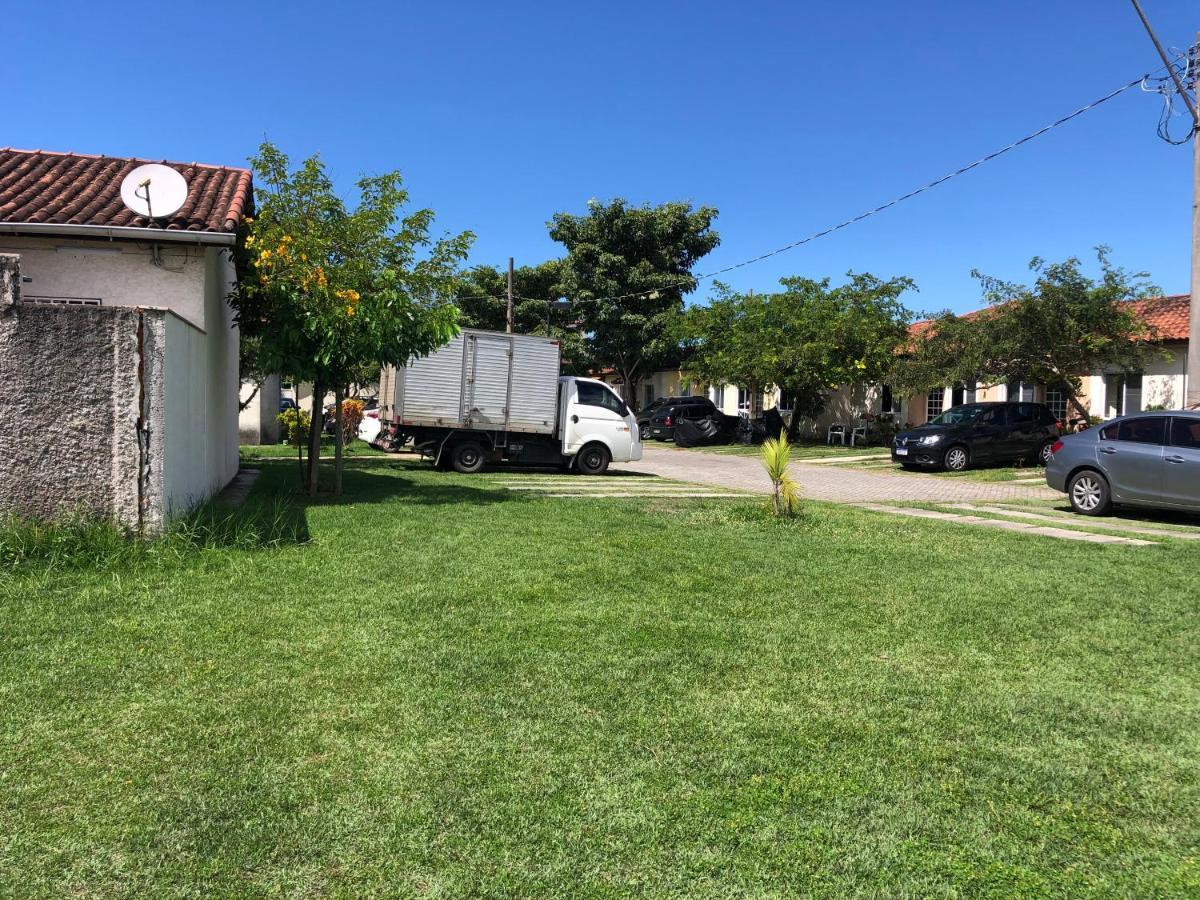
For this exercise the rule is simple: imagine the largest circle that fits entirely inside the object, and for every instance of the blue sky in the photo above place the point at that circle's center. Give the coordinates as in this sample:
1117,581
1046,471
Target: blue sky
787,117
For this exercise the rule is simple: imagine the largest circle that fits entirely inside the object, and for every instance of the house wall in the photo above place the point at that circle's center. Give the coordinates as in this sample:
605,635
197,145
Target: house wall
1164,383
118,273
258,422
77,379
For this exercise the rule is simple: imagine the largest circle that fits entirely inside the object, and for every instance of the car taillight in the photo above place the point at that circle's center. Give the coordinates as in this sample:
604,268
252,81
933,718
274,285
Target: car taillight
667,421
1055,447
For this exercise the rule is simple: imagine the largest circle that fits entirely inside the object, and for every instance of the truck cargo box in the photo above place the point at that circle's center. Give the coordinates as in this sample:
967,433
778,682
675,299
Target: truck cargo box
485,380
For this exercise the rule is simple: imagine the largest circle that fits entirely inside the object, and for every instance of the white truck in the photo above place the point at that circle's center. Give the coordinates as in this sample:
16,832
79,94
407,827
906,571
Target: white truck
494,397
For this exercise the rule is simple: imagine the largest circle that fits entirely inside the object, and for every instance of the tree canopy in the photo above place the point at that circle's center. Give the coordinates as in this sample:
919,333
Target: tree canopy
805,340
1063,326
626,272
329,290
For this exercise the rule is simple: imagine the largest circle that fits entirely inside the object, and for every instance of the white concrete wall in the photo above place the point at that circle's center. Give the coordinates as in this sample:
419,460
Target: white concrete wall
1164,383
118,273
223,374
258,422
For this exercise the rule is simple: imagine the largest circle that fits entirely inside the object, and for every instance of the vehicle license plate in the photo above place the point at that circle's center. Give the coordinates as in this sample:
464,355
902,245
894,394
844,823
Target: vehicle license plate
902,451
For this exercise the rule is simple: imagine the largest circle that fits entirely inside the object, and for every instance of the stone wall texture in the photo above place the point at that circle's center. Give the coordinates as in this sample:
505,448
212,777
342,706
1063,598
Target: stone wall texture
70,395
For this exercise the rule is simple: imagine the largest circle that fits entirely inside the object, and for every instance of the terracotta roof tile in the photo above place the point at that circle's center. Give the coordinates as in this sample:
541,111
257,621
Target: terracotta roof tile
1168,316
37,186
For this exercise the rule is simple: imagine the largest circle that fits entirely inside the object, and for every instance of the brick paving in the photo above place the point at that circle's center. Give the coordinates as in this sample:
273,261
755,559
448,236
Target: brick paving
828,482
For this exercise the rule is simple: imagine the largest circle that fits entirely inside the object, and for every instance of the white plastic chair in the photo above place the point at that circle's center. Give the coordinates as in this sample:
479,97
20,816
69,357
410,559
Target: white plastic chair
857,432
836,431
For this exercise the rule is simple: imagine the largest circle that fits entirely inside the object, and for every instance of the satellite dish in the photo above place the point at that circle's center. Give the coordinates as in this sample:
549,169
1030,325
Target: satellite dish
154,191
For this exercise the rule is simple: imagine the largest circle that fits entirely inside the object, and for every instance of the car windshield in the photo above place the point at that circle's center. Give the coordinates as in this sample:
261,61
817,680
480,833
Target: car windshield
959,415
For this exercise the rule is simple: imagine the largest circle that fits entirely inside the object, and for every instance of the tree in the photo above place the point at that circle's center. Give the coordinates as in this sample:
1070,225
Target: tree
481,297
1063,326
327,291
806,340
626,272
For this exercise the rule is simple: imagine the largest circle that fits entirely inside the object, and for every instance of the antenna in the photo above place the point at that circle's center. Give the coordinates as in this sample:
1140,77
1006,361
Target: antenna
154,191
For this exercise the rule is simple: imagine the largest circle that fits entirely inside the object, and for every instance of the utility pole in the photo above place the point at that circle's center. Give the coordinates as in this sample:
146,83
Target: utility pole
1193,360
1192,378
509,317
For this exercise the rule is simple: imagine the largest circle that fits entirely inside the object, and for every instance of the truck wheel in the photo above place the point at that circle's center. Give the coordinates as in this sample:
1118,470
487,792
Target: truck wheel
467,457
593,459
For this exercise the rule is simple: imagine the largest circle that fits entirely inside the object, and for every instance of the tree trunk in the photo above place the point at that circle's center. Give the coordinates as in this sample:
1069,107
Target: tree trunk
314,439
242,404
1078,407
338,393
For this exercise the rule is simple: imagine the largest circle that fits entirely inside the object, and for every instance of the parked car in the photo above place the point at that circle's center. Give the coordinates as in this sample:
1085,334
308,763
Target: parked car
286,403
370,411
661,426
975,433
1139,460
649,412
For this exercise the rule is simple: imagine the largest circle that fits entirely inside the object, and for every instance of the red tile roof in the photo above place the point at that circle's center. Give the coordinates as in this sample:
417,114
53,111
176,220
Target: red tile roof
38,187
1168,316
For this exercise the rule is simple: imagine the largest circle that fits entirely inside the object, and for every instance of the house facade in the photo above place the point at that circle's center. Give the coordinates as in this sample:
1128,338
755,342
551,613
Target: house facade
118,350
1104,394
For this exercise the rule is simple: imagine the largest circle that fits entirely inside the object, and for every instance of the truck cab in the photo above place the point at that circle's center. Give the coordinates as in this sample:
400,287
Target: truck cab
595,425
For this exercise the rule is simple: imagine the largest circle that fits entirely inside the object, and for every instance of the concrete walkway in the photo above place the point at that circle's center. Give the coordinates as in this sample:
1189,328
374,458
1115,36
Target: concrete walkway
827,482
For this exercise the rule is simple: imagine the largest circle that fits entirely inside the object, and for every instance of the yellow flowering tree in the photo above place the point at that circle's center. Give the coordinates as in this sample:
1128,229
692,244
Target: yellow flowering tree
328,291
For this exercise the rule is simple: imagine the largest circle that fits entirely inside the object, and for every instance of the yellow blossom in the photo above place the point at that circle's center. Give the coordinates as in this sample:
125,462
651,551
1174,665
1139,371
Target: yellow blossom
287,239
250,241
349,295
265,255
303,257
349,310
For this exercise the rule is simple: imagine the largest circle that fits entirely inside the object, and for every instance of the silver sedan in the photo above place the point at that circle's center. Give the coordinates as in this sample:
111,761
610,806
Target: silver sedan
1148,459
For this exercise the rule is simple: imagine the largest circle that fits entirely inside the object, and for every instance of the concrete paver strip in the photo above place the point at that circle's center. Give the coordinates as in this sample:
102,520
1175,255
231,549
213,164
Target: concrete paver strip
1080,521
1007,525
236,492
840,484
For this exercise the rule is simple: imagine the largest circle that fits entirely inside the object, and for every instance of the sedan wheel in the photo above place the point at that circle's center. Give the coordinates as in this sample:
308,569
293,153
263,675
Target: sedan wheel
956,459
1088,492
1046,453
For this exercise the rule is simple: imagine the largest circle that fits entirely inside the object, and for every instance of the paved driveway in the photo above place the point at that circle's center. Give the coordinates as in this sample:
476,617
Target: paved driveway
827,482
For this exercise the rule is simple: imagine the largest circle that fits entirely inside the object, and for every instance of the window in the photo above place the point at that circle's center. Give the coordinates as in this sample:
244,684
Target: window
719,396
1133,394
885,399
592,394
1185,432
962,393
934,403
1021,390
1108,433
1056,399
1150,430
743,400
1023,414
787,401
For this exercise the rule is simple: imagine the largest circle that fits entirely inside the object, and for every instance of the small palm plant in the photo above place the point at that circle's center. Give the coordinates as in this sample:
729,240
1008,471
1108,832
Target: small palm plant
775,457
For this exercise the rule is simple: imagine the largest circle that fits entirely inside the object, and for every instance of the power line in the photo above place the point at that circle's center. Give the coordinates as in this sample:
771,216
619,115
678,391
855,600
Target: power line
884,206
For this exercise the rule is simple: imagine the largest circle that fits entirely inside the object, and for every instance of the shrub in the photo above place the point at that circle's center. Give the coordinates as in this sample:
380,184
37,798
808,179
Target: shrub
776,454
295,424
352,416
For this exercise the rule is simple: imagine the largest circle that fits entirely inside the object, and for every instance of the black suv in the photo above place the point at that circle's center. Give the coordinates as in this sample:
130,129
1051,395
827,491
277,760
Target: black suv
979,432
661,424
659,407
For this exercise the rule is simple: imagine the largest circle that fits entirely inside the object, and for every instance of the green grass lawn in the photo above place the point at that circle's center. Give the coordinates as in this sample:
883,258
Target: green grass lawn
352,449
454,689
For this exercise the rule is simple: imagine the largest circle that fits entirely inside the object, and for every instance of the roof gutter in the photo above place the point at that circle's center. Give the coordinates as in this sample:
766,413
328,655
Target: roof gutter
119,233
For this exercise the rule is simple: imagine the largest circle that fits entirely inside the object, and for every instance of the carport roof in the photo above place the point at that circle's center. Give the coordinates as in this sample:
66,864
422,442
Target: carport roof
44,189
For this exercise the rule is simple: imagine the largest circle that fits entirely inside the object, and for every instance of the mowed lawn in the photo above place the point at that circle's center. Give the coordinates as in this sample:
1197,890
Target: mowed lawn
453,689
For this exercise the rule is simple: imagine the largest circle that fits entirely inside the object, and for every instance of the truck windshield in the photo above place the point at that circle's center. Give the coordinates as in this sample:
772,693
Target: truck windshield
592,394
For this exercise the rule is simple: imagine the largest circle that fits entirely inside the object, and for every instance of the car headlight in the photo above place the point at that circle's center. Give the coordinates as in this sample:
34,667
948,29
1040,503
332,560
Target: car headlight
930,439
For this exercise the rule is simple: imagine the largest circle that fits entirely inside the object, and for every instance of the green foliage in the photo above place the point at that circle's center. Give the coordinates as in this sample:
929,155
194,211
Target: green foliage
1061,327
328,291
294,424
785,491
617,249
806,340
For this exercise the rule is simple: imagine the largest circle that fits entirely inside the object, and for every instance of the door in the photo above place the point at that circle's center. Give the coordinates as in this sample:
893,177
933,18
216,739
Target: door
988,435
489,381
1181,463
1026,432
1134,461
597,414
